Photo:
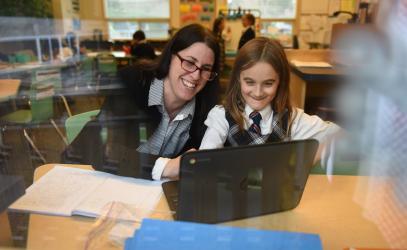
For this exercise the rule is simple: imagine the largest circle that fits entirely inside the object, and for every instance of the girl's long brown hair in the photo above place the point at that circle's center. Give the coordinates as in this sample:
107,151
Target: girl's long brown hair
260,49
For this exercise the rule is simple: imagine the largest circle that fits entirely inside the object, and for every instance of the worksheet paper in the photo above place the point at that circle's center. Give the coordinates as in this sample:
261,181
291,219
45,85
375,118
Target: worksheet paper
67,191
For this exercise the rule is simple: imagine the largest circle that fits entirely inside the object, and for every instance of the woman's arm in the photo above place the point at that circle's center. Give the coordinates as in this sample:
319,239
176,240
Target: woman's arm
215,137
171,168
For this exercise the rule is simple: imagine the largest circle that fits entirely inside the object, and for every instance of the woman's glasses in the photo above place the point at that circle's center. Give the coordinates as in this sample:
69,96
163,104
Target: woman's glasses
190,67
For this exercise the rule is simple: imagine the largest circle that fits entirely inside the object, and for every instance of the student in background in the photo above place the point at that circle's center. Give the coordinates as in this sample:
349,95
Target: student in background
222,36
159,113
140,48
257,108
248,34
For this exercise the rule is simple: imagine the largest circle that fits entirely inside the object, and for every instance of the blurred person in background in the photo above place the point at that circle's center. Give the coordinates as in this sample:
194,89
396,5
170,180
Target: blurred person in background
222,35
374,108
248,21
140,48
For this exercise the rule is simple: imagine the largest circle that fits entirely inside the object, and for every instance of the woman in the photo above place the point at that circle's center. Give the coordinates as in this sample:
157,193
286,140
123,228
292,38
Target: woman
159,114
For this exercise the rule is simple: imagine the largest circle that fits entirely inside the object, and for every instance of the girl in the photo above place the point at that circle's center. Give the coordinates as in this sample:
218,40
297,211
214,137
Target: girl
257,108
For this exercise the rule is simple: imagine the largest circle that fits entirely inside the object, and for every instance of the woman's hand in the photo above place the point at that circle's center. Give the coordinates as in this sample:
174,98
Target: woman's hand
171,170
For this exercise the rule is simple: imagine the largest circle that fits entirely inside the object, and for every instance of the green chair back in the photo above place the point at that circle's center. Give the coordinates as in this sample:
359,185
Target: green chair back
41,109
48,75
87,63
75,123
42,105
87,66
106,64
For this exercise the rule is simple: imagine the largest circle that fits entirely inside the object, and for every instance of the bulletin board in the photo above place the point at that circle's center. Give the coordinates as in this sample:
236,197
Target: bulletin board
197,11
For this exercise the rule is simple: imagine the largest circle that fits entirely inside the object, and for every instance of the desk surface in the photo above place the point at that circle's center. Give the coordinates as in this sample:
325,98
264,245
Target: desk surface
312,73
8,88
327,208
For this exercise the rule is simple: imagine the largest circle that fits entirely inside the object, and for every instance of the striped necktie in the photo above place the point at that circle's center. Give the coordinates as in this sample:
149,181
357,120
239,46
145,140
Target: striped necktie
255,127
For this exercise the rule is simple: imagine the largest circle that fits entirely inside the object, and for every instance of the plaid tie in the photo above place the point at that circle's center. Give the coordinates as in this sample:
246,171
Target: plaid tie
255,127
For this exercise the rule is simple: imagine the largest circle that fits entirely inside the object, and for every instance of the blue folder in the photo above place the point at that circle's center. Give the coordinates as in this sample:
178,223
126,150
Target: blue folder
157,234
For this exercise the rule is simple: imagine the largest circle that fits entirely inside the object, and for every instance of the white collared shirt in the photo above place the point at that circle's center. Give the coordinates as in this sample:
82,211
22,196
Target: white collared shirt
171,135
304,126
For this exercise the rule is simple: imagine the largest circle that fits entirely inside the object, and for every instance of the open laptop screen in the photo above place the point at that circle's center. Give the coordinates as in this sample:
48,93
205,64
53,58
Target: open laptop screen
239,182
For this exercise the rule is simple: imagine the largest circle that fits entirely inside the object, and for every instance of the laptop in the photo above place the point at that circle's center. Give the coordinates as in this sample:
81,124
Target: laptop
233,183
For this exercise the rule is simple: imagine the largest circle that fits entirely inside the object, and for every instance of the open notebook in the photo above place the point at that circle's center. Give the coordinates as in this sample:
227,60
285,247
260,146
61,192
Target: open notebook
69,191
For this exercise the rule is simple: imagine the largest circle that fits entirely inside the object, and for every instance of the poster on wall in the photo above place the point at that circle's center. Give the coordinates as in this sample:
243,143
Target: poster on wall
197,11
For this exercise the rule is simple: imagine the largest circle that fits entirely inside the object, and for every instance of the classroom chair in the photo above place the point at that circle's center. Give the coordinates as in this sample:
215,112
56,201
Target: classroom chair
75,123
73,126
87,71
106,69
39,109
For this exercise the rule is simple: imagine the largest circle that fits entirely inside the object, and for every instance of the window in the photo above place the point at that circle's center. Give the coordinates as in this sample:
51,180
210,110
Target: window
277,17
270,9
137,8
121,30
126,16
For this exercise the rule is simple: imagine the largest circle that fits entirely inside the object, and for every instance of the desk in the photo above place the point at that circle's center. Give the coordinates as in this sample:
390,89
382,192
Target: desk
327,209
32,66
312,82
8,92
9,89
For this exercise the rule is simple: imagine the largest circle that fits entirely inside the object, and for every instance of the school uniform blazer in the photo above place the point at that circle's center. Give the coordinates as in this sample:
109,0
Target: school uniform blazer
248,35
109,142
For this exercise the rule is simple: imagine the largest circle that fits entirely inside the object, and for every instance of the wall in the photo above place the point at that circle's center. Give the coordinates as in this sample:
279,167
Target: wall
64,14
92,17
89,17
315,20
312,24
